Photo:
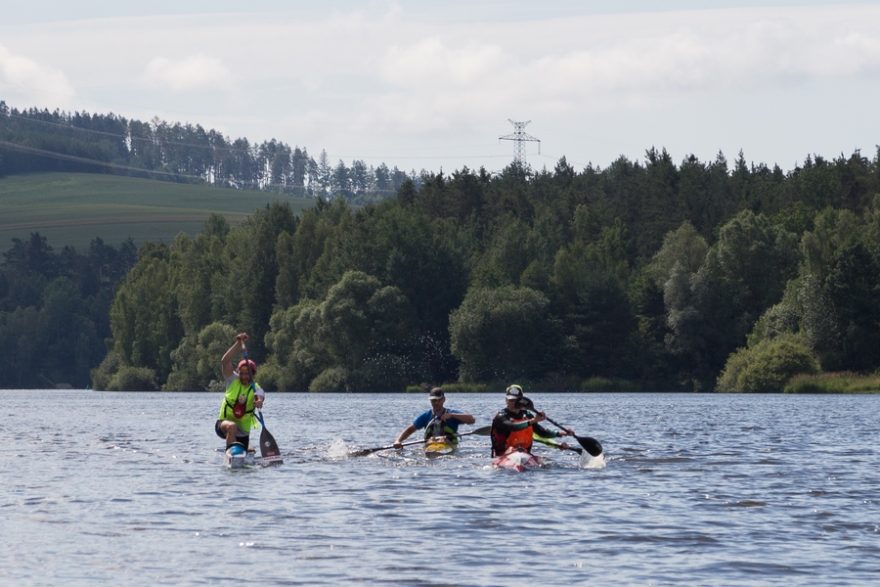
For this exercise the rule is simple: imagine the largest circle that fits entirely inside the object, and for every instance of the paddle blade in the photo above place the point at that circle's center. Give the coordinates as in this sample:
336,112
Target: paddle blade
366,451
268,447
484,431
591,445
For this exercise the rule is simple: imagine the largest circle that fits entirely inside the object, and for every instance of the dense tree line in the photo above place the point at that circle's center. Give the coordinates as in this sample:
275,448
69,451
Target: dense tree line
55,310
38,140
696,276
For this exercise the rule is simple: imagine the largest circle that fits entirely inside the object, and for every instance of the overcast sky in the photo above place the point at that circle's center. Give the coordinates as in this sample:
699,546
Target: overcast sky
425,85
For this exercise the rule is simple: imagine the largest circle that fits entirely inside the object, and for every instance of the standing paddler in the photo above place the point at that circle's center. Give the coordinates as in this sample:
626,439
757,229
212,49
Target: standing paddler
242,396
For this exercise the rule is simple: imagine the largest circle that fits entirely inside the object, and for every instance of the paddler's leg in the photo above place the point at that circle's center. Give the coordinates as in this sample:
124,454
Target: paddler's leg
228,430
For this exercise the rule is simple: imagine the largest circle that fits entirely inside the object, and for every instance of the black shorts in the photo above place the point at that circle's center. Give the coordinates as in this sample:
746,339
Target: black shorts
242,439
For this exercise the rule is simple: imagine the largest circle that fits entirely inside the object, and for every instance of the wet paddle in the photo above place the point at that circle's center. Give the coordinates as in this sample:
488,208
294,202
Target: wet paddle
555,444
591,445
268,447
484,431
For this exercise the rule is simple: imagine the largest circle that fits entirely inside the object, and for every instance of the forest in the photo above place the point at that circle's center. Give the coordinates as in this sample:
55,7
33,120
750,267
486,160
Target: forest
645,275
38,140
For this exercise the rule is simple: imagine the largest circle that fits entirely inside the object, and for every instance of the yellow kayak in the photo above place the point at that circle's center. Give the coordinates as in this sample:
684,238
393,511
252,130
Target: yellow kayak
437,446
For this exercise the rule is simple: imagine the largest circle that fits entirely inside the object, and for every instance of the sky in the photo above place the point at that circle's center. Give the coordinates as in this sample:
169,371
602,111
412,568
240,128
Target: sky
433,85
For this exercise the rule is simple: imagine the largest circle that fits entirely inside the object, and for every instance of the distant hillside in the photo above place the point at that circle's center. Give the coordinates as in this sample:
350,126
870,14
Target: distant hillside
74,208
36,140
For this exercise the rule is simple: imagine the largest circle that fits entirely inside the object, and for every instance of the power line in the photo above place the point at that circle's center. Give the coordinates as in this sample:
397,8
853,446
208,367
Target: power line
230,149
259,186
127,136
96,162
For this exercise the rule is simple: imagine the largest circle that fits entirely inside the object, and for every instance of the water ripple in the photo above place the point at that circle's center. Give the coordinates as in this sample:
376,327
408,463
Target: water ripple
693,490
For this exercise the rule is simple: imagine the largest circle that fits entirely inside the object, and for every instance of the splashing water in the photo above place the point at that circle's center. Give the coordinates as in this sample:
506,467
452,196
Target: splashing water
337,449
591,462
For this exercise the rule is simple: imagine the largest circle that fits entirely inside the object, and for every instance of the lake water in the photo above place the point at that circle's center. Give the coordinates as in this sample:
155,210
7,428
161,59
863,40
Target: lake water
129,489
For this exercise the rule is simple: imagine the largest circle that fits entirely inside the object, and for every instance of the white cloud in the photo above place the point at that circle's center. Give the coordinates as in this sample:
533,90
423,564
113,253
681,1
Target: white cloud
392,79
602,62
24,81
432,62
196,72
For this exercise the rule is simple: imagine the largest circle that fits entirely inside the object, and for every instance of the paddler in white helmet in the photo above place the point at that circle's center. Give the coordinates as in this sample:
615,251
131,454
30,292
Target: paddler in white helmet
243,395
513,427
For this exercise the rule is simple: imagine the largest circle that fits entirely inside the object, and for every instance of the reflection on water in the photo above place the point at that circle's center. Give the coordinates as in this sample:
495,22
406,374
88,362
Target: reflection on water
112,488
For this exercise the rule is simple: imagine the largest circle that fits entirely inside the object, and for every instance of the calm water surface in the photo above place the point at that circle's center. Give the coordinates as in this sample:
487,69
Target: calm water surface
129,489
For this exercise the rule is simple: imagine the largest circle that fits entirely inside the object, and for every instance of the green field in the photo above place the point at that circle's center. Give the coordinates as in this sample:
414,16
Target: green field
74,208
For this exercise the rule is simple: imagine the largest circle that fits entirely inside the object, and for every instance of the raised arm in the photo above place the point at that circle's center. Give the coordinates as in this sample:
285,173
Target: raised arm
226,361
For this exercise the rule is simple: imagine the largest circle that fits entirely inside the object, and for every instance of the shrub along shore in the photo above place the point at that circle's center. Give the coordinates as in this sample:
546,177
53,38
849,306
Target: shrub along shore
842,382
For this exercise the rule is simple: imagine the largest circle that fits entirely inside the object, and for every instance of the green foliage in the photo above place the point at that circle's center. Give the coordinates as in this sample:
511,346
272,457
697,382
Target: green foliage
603,384
838,382
767,366
296,342
103,373
53,311
270,377
144,314
361,327
503,333
332,379
645,270
778,320
453,388
196,360
853,285
175,152
134,379
684,247
711,313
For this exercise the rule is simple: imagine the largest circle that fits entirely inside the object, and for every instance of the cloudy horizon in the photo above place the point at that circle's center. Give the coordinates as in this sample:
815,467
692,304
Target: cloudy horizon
418,88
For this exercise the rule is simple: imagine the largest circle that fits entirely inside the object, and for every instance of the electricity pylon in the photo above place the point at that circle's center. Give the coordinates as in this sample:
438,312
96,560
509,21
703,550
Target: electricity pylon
520,137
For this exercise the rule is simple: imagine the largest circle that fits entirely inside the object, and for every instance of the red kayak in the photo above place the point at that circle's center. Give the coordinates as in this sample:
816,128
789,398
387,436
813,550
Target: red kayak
517,460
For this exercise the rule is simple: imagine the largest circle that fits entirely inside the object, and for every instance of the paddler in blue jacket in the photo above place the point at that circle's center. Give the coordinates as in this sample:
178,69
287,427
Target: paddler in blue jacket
242,396
514,428
438,421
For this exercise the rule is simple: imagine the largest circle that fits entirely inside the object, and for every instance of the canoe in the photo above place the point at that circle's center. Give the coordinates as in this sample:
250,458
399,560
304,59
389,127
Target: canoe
438,446
237,457
517,460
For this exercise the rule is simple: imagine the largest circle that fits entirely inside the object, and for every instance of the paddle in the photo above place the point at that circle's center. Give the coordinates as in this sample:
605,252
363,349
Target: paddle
268,447
555,444
591,445
484,431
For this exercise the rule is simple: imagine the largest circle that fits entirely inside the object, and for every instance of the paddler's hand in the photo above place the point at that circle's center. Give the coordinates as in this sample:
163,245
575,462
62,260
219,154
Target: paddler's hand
397,444
258,402
565,432
539,417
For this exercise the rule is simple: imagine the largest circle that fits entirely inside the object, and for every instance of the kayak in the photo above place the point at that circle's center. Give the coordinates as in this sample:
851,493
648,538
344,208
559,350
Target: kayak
438,446
237,457
517,460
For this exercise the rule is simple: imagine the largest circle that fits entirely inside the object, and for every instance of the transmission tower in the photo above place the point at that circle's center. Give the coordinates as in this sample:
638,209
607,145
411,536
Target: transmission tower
520,137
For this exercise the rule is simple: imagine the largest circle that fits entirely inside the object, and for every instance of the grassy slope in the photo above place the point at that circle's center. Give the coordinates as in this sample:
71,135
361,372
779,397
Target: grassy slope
74,208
